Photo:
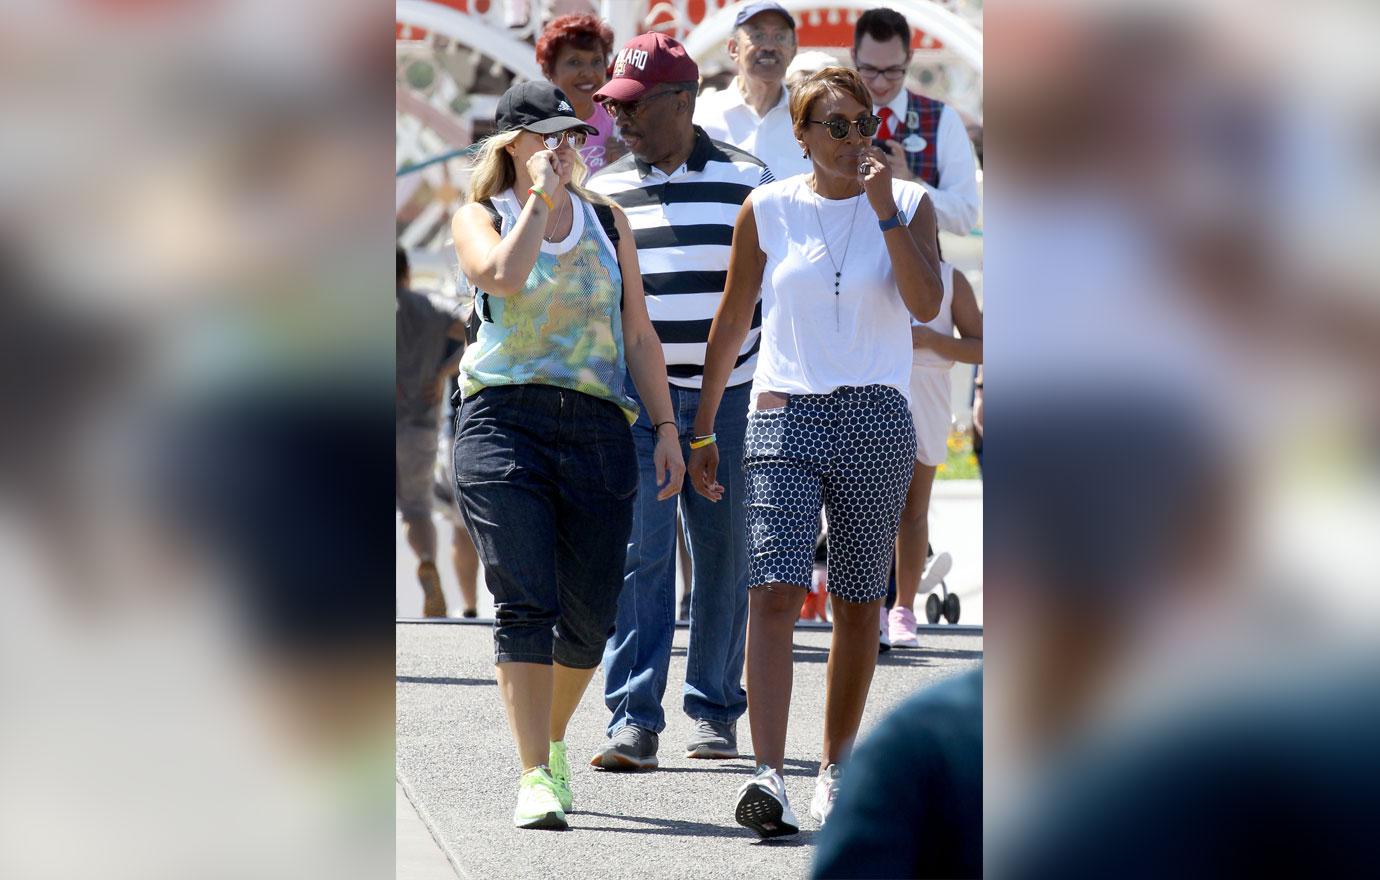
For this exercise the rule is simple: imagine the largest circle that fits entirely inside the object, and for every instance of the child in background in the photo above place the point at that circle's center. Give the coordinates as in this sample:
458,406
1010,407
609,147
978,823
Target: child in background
936,349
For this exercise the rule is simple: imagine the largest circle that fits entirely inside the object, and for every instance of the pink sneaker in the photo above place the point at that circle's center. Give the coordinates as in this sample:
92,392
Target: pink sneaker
902,626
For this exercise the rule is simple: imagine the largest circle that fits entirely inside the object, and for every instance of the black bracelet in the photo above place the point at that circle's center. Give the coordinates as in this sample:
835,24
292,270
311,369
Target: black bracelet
657,426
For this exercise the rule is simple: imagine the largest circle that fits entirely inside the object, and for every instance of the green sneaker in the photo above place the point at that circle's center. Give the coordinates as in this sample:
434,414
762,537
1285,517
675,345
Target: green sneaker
560,774
538,805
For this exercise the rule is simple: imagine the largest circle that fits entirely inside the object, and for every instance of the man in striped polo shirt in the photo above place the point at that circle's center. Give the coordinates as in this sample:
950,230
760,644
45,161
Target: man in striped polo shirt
681,192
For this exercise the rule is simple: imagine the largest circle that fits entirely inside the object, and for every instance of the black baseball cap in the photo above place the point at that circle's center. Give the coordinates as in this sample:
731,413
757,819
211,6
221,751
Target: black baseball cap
540,107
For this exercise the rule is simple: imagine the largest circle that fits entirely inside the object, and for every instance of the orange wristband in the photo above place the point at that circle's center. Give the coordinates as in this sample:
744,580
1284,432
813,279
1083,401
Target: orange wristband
550,205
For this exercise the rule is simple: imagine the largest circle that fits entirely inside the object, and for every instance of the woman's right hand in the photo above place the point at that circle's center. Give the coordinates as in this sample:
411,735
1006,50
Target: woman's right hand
544,167
667,462
703,467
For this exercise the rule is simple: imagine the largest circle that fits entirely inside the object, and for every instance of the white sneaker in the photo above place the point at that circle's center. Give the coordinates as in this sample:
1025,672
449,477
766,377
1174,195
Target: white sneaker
884,639
937,568
763,807
826,788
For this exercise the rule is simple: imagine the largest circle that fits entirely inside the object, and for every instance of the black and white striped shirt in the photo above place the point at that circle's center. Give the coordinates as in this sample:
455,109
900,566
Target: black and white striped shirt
683,225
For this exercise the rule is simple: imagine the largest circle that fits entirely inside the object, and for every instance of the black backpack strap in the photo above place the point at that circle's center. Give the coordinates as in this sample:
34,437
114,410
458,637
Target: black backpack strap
605,215
481,299
473,321
494,217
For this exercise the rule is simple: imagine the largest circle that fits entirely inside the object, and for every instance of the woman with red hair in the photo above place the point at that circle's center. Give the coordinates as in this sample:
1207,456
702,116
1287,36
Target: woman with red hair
573,53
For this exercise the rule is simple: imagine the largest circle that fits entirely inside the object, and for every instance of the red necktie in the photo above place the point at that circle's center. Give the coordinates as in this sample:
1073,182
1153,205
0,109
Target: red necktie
885,131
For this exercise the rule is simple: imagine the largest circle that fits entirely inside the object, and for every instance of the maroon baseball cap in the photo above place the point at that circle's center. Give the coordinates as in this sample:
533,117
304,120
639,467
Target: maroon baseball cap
646,60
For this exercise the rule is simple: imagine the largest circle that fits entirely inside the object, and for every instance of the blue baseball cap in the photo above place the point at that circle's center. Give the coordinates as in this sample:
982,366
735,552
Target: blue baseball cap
750,10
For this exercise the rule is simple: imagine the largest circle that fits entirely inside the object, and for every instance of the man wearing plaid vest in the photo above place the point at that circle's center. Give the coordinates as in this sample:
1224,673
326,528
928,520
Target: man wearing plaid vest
924,139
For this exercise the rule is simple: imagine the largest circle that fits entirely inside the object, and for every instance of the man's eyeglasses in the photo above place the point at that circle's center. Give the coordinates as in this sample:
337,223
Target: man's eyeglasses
633,109
891,73
838,128
576,139
769,38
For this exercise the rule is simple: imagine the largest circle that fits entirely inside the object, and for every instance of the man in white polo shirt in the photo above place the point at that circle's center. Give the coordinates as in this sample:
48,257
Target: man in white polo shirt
753,111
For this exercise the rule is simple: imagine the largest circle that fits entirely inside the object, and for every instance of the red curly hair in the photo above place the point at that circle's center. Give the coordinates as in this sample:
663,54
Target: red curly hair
584,32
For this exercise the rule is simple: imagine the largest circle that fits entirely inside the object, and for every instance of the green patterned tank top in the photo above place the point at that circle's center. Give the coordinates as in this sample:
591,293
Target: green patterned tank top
565,327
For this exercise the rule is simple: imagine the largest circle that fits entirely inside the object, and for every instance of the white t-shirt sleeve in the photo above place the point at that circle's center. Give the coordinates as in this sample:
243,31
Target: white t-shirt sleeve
956,200
908,195
770,231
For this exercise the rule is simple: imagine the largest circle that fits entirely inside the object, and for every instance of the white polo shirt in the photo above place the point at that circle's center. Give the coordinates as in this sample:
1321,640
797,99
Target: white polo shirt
725,116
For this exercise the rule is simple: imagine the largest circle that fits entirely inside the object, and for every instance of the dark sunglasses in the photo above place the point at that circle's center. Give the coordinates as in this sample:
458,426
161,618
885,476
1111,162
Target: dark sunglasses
633,109
838,128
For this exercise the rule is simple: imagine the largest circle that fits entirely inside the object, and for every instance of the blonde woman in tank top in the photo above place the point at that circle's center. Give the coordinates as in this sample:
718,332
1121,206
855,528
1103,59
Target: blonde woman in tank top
843,259
936,351
545,468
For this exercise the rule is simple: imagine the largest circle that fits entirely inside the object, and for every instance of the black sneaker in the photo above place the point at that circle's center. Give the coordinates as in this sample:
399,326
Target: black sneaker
630,748
713,739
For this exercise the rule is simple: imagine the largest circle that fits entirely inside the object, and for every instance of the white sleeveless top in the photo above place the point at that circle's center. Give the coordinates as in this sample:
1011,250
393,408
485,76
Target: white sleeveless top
812,341
942,323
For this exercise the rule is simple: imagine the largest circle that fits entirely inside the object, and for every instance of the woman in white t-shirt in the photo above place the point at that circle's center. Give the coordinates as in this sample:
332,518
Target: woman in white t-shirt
843,259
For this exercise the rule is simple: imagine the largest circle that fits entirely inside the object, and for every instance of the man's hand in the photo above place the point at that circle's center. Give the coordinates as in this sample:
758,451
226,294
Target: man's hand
895,156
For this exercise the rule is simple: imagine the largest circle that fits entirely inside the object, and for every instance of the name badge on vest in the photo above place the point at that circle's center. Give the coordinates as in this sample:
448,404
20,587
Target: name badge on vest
914,143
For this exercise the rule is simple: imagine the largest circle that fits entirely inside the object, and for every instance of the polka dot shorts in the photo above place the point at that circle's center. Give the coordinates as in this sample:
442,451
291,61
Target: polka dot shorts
851,452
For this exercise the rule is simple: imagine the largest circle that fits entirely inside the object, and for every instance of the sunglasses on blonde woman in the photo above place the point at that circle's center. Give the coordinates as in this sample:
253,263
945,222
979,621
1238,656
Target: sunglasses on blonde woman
576,139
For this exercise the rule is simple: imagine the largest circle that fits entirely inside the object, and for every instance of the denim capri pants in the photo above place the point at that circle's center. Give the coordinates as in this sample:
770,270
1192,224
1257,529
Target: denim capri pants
545,478
850,452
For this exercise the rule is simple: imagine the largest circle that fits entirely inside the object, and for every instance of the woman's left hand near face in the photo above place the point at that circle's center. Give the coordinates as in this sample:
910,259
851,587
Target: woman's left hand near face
876,180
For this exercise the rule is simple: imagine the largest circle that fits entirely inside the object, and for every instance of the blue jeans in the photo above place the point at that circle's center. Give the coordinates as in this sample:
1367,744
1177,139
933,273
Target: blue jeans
639,653
545,478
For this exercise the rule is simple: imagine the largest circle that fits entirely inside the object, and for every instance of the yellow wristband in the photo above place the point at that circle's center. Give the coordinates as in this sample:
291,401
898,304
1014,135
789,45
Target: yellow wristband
550,205
701,442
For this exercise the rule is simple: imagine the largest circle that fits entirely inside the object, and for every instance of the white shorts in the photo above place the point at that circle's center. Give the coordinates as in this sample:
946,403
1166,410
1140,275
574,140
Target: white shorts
931,413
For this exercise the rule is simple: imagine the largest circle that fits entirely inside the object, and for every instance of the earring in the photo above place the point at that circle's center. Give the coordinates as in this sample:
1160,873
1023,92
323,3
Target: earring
804,154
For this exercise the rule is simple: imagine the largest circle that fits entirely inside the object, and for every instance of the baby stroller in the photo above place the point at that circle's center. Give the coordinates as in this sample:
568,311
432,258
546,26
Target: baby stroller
944,604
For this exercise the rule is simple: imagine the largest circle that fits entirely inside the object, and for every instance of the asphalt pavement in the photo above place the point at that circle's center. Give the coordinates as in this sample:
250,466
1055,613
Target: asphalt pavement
457,769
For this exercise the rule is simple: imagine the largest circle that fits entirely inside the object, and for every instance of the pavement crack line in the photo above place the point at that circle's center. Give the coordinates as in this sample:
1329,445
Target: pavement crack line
430,826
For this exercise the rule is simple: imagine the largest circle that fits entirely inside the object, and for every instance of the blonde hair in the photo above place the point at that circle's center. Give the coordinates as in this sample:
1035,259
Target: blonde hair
494,171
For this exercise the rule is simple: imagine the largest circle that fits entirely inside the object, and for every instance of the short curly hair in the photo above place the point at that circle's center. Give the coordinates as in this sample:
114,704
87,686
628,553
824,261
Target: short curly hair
584,32
836,80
